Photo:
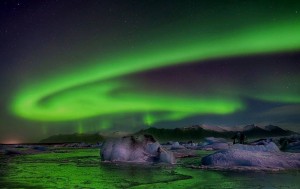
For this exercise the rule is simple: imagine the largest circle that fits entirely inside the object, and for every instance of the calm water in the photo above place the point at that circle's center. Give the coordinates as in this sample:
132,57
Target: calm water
81,168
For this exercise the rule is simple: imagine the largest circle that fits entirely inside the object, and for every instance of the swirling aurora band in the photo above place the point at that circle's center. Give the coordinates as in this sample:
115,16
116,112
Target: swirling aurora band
73,96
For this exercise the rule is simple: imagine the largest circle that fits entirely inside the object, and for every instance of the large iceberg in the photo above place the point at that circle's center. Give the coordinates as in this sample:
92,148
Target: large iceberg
253,157
143,148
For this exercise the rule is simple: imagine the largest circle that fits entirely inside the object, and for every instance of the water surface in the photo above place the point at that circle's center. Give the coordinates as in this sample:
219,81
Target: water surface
82,168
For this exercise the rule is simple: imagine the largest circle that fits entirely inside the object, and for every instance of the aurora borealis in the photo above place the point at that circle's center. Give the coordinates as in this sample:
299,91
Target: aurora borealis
91,66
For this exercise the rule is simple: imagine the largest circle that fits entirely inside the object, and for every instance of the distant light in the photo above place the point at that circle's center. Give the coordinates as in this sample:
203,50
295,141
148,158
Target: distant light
11,141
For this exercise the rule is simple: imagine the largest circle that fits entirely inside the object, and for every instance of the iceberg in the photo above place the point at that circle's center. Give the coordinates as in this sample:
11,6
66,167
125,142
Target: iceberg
259,157
268,147
212,143
177,146
212,140
142,148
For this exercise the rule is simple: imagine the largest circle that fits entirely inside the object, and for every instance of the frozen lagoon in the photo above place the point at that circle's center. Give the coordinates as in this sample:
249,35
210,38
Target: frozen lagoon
82,168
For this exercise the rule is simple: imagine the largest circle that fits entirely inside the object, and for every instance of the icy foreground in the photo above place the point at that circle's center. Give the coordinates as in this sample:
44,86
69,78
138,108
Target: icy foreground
259,157
142,148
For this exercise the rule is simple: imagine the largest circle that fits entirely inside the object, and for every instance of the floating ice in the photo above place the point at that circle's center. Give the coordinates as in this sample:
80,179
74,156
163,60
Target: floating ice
211,143
269,147
142,148
257,157
212,140
176,146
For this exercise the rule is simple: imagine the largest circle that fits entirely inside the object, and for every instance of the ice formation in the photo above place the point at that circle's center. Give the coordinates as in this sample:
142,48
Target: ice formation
256,156
142,148
177,146
268,147
211,143
212,140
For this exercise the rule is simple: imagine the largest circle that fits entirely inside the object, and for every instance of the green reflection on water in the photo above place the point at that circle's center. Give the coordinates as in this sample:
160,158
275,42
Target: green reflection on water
81,168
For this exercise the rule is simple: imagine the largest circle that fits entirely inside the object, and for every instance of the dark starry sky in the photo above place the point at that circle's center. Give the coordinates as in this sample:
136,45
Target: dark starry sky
89,66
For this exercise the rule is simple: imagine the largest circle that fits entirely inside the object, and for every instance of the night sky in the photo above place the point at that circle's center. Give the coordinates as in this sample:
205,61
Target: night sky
88,66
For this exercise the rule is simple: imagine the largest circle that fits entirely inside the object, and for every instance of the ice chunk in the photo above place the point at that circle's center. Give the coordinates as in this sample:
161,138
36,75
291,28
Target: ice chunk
135,149
269,147
211,143
256,156
212,140
176,146
215,146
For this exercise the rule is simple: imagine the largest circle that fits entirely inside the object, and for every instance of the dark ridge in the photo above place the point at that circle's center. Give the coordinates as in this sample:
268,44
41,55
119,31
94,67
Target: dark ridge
198,133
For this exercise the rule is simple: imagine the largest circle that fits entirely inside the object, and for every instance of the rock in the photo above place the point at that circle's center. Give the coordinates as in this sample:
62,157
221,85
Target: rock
13,152
290,144
293,147
40,148
143,148
20,146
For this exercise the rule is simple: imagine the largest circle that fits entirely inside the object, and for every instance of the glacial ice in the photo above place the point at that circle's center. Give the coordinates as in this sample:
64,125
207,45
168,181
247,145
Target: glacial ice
256,157
135,149
177,146
212,140
212,143
268,147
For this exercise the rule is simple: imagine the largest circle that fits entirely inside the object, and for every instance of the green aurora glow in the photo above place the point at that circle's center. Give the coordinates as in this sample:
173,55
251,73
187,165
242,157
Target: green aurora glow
64,105
74,95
